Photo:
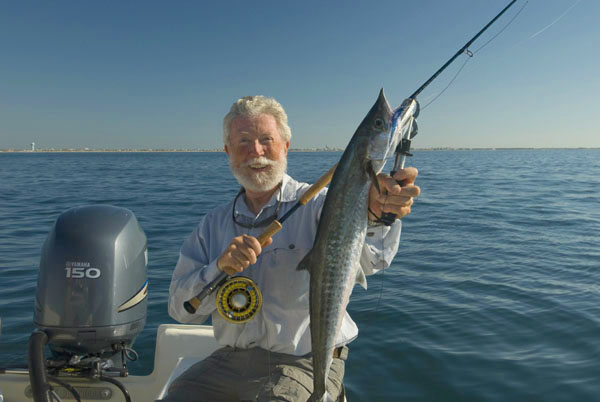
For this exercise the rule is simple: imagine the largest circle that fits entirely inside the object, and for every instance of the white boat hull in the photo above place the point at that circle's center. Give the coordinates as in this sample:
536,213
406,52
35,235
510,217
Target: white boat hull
177,348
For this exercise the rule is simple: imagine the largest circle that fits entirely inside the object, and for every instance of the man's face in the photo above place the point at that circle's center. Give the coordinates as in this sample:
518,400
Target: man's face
257,154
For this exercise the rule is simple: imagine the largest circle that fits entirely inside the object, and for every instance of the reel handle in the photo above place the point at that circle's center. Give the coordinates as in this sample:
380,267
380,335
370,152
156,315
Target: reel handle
273,228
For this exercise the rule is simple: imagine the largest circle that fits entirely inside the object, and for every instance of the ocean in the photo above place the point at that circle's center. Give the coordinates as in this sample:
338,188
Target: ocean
494,294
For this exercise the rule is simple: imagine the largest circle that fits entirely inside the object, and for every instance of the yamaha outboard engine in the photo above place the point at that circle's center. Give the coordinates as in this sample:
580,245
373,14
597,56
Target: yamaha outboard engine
91,297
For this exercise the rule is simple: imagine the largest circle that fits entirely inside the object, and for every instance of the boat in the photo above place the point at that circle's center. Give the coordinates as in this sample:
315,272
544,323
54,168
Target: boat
90,305
178,346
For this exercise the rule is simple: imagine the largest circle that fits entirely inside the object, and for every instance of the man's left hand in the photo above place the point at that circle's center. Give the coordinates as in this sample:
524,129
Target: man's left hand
393,197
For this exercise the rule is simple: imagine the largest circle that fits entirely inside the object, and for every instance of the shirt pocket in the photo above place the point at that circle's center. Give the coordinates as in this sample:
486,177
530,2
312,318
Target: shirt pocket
284,286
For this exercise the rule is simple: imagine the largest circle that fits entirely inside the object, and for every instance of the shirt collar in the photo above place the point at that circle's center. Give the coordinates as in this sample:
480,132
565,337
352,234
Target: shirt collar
289,189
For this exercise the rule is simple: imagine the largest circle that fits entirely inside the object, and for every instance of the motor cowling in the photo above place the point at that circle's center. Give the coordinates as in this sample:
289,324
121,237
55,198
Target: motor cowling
92,284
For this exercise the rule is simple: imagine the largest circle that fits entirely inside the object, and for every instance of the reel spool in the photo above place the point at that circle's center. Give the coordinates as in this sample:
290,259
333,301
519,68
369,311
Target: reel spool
238,300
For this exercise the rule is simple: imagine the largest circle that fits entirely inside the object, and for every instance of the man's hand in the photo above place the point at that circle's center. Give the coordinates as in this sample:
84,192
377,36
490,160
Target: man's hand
241,253
393,198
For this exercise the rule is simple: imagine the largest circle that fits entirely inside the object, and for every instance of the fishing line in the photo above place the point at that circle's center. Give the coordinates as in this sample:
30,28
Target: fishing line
382,257
502,30
382,274
472,53
555,21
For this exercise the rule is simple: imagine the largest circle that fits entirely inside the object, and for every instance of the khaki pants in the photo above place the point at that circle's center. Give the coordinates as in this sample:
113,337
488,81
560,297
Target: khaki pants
255,374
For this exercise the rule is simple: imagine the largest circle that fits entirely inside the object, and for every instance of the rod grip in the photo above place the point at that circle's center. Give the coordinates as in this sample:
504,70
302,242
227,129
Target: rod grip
269,231
192,305
317,186
273,228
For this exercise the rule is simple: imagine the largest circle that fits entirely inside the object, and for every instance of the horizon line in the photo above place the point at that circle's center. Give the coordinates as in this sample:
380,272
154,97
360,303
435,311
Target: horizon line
315,149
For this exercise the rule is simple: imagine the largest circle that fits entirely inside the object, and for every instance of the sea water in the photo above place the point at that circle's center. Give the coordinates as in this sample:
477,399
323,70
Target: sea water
494,294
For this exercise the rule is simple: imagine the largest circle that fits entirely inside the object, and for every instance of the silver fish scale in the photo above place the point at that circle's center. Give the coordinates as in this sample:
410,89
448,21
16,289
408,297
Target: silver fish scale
334,260
334,280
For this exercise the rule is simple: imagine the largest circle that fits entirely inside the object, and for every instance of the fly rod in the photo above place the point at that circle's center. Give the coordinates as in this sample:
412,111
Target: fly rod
192,305
403,120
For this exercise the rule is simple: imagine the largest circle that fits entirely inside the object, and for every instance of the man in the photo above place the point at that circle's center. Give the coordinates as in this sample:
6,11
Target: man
268,358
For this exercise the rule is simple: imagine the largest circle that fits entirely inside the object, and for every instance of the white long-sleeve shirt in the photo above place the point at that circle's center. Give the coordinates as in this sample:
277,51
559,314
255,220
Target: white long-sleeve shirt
282,324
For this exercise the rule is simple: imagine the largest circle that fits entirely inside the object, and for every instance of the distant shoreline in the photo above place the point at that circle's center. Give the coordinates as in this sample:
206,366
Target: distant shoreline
86,150
125,150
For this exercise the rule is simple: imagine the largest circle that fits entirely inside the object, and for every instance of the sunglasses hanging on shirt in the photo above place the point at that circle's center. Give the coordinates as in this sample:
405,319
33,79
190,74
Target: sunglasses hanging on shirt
263,222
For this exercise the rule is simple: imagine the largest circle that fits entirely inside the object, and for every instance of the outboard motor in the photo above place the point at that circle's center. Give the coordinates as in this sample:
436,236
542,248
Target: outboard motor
91,298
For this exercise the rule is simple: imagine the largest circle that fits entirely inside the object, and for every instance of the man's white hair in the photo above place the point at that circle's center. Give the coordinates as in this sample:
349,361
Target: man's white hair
250,106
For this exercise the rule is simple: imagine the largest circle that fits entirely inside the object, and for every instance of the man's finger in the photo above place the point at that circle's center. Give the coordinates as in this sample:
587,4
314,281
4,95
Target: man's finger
401,195
407,175
253,243
246,253
243,258
396,201
395,205
390,185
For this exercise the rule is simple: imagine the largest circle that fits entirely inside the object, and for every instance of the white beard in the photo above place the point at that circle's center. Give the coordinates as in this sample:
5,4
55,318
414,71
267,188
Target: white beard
260,181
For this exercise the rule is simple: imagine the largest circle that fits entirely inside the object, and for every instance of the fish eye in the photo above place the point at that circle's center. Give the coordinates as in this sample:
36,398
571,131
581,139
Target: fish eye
378,123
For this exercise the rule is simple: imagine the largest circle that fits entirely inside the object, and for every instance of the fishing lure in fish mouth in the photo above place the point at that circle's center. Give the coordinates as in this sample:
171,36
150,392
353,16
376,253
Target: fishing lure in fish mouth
402,119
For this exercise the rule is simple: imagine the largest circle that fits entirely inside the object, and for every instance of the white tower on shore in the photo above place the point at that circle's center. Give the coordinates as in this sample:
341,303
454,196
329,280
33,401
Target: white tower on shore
33,147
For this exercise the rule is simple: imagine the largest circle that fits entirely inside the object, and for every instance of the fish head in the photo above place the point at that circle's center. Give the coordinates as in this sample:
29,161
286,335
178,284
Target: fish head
378,127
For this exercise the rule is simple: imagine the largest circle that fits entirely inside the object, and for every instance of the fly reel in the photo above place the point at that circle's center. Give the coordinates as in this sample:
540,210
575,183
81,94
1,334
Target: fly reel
238,300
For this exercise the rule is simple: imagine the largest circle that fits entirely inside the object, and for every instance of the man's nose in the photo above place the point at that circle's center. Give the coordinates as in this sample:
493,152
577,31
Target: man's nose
257,148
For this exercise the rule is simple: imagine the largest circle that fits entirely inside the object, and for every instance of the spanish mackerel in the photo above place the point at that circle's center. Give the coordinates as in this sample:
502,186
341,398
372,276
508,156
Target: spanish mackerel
333,262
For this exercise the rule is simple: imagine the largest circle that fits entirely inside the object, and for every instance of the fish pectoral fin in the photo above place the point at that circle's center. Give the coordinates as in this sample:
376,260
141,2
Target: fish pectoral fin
324,398
373,176
305,264
361,278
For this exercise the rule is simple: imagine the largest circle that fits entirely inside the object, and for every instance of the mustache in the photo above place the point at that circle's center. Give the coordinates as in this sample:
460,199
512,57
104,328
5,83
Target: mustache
261,160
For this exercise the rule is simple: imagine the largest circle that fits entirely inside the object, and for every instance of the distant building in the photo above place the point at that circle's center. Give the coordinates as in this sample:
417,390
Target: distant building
33,147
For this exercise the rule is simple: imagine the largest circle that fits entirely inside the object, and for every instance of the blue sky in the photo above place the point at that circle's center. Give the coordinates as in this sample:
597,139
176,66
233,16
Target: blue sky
156,74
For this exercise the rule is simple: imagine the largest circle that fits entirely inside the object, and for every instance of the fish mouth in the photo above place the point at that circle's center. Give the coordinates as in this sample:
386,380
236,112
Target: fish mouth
383,144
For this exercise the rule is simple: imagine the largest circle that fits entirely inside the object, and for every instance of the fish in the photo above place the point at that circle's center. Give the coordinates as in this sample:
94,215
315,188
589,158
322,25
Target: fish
333,262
